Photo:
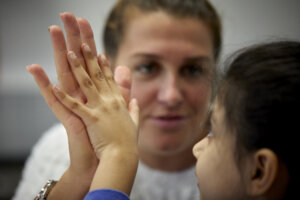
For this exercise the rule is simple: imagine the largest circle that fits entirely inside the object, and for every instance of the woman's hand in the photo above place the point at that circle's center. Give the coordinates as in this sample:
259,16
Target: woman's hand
82,157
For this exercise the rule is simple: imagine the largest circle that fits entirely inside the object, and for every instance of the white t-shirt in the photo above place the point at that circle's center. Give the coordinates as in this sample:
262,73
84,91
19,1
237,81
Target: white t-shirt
50,158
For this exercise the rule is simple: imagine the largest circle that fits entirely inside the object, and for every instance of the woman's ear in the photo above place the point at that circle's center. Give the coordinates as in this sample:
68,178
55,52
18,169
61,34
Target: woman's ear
264,172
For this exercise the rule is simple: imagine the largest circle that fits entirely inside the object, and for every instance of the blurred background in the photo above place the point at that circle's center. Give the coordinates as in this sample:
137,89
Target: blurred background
24,40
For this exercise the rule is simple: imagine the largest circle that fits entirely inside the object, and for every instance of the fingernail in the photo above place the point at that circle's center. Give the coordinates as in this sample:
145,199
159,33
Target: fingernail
86,47
103,56
58,92
28,68
49,28
71,55
103,59
55,89
135,101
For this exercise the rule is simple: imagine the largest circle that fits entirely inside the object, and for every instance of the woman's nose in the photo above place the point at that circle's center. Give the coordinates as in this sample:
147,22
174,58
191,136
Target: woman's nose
170,92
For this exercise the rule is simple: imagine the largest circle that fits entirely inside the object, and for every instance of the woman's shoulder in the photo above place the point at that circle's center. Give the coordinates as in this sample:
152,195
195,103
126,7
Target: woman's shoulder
52,147
52,141
156,184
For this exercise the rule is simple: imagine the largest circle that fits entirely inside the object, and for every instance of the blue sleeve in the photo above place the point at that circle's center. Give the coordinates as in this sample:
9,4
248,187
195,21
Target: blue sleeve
106,194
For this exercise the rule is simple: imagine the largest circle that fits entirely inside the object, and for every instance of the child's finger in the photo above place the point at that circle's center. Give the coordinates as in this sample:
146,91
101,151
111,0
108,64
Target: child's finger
75,106
134,111
95,71
110,78
123,79
86,84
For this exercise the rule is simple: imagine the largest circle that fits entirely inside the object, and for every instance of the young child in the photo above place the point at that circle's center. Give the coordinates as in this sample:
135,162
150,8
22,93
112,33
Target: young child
250,152
245,156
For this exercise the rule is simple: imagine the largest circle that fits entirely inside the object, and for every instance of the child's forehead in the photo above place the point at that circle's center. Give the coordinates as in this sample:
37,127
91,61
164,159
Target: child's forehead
224,140
218,112
218,120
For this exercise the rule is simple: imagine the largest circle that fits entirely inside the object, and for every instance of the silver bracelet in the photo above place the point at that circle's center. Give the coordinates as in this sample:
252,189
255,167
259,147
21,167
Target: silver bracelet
43,194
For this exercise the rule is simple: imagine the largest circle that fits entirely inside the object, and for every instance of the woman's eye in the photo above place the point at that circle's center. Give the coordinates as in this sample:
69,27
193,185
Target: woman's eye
193,70
146,69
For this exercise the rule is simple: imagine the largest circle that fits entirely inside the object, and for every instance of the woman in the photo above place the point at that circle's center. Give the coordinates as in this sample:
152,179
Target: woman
171,48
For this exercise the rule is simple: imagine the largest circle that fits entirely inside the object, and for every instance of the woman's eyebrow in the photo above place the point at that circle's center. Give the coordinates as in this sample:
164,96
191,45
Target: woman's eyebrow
203,60
198,59
146,55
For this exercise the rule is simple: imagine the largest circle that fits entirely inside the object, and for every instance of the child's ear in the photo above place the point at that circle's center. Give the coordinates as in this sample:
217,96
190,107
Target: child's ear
264,172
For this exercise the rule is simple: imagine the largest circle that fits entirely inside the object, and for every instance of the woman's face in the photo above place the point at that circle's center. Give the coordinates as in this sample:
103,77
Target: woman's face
218,175
171,61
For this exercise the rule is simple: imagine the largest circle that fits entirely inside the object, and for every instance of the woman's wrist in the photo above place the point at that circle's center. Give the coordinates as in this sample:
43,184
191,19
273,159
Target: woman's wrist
71,185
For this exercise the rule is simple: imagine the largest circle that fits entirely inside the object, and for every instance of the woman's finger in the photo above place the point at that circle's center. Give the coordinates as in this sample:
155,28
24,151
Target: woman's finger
87,35
45,87
64,73
73,35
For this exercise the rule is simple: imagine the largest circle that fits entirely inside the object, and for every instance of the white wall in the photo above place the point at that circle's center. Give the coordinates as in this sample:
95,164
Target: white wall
250,21
24,40
24,35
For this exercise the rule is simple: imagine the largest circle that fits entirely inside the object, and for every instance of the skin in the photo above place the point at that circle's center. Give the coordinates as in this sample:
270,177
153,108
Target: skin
217,172
171,80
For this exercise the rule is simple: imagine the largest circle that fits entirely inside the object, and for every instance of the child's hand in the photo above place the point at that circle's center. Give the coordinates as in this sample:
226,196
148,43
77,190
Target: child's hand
105,113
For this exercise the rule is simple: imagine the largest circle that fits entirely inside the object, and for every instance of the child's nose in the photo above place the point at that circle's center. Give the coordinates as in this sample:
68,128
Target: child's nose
199,147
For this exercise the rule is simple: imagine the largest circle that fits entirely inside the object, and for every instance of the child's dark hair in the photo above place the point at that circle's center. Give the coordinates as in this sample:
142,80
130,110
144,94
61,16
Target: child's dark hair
260,94
198,9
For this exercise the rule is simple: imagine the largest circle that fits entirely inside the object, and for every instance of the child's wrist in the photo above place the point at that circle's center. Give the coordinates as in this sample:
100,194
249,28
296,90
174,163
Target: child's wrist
121,151
116,169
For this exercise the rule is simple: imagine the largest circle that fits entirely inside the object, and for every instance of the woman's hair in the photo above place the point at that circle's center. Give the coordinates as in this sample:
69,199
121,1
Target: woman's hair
260,95
198,9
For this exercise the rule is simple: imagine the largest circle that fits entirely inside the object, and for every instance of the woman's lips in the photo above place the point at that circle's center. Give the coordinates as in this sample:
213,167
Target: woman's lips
169,122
